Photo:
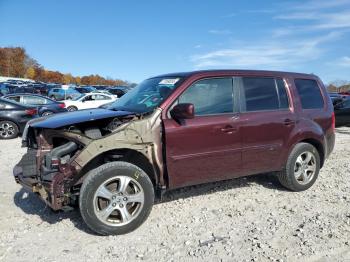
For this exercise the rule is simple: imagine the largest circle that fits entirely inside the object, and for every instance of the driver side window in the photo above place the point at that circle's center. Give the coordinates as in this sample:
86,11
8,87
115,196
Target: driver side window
210,96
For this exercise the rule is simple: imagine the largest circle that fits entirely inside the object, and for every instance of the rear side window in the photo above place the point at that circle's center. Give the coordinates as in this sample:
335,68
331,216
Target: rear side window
309,93
210,96
263,93
15,98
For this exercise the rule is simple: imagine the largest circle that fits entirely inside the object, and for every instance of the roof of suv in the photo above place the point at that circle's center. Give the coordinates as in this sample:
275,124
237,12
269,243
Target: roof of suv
237,72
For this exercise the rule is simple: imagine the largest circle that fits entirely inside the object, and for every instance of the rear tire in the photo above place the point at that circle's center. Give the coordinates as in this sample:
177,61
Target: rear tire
8,129
302,168
72,108
116,198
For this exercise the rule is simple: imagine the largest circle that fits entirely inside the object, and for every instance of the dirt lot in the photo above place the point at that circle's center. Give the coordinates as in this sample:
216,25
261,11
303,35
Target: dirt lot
247,219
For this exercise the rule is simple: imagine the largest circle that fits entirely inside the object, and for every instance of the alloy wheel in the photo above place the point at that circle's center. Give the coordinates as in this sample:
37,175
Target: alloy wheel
305,167
118,200
7,130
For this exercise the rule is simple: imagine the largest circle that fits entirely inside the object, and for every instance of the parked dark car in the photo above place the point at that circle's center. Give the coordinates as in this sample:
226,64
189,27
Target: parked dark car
117,91
41,88
13,89
177,130
13,118
63,94
85,89
342,113
100,87
45,105
336,97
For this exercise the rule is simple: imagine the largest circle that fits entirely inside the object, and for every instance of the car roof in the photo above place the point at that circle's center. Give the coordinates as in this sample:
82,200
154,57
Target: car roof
25,94
96,93
236,72
11,102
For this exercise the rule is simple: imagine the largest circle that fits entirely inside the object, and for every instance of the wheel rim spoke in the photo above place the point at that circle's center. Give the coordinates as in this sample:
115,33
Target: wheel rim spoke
124,212
308,158
304,177
311,168
104,192
123,184
136,198
105,213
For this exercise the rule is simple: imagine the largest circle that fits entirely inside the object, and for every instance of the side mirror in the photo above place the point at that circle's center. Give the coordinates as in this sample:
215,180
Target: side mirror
182,111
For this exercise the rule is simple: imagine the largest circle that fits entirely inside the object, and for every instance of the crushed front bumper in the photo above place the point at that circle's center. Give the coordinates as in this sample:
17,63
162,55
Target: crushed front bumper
51,190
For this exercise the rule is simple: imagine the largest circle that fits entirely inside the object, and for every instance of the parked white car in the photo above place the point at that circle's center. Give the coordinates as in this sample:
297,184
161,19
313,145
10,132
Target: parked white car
89,100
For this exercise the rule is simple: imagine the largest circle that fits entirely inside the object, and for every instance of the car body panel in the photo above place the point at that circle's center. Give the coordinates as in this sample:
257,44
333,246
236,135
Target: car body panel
342,112
17,114
70,118
82,103
193,151
50,106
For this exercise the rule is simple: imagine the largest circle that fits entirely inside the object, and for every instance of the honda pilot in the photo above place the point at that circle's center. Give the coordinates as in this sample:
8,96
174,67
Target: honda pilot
178,130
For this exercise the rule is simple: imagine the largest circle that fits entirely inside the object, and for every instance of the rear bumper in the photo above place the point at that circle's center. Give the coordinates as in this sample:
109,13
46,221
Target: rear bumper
330,143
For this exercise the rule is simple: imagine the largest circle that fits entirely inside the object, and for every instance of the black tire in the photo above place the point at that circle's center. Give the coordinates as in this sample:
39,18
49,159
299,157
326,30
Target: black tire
46,113
8,129
101,175
287,176
72,108
93,132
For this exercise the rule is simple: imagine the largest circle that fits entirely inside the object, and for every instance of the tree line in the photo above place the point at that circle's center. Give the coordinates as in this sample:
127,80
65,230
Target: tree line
339,86
15,62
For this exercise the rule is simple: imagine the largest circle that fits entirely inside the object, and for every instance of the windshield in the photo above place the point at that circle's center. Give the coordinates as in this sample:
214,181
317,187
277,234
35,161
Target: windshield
146,96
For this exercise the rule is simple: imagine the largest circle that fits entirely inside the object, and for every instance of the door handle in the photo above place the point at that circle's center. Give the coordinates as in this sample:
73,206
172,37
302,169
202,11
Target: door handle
289,122
228,129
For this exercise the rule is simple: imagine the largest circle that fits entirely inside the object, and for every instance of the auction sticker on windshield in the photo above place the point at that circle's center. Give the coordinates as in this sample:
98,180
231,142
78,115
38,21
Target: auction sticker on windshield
169,81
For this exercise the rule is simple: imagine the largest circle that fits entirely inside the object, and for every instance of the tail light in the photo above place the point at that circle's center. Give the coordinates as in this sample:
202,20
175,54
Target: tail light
31,112
62,105
333,121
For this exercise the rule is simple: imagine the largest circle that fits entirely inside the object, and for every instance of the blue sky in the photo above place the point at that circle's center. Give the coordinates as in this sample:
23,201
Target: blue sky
133,40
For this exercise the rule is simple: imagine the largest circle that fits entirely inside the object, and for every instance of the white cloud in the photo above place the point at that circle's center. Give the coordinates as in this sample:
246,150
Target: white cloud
321,4
344,61
267,54
220,32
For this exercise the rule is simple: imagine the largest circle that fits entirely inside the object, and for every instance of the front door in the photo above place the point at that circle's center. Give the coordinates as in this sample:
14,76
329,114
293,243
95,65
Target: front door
207,147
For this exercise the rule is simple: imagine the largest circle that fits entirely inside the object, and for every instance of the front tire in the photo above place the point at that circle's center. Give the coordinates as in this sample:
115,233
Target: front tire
302,168
8,129
116,198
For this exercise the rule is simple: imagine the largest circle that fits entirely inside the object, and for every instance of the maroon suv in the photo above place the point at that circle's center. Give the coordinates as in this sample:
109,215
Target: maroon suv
177,130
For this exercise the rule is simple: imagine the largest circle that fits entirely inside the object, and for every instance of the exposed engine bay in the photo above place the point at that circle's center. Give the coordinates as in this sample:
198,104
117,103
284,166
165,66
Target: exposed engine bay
58,158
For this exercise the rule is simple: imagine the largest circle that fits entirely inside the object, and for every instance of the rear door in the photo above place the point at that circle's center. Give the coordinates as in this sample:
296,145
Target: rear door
267,121
207,147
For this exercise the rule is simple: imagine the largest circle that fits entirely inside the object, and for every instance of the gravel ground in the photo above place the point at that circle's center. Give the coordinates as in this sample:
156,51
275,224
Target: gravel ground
247,219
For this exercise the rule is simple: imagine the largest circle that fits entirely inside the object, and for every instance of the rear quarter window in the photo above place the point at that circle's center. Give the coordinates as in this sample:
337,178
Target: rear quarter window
309,93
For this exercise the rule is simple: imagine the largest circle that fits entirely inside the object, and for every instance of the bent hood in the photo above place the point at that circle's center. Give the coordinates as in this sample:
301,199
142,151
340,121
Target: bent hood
70,118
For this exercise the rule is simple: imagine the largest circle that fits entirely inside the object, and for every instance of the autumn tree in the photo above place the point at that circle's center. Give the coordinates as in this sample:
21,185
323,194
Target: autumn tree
15,62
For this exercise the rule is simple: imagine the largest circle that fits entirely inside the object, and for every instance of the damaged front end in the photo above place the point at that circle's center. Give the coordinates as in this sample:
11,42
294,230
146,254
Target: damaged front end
62,149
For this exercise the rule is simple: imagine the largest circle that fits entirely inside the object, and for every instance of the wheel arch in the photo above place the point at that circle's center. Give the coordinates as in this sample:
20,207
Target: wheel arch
131,156
318,145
